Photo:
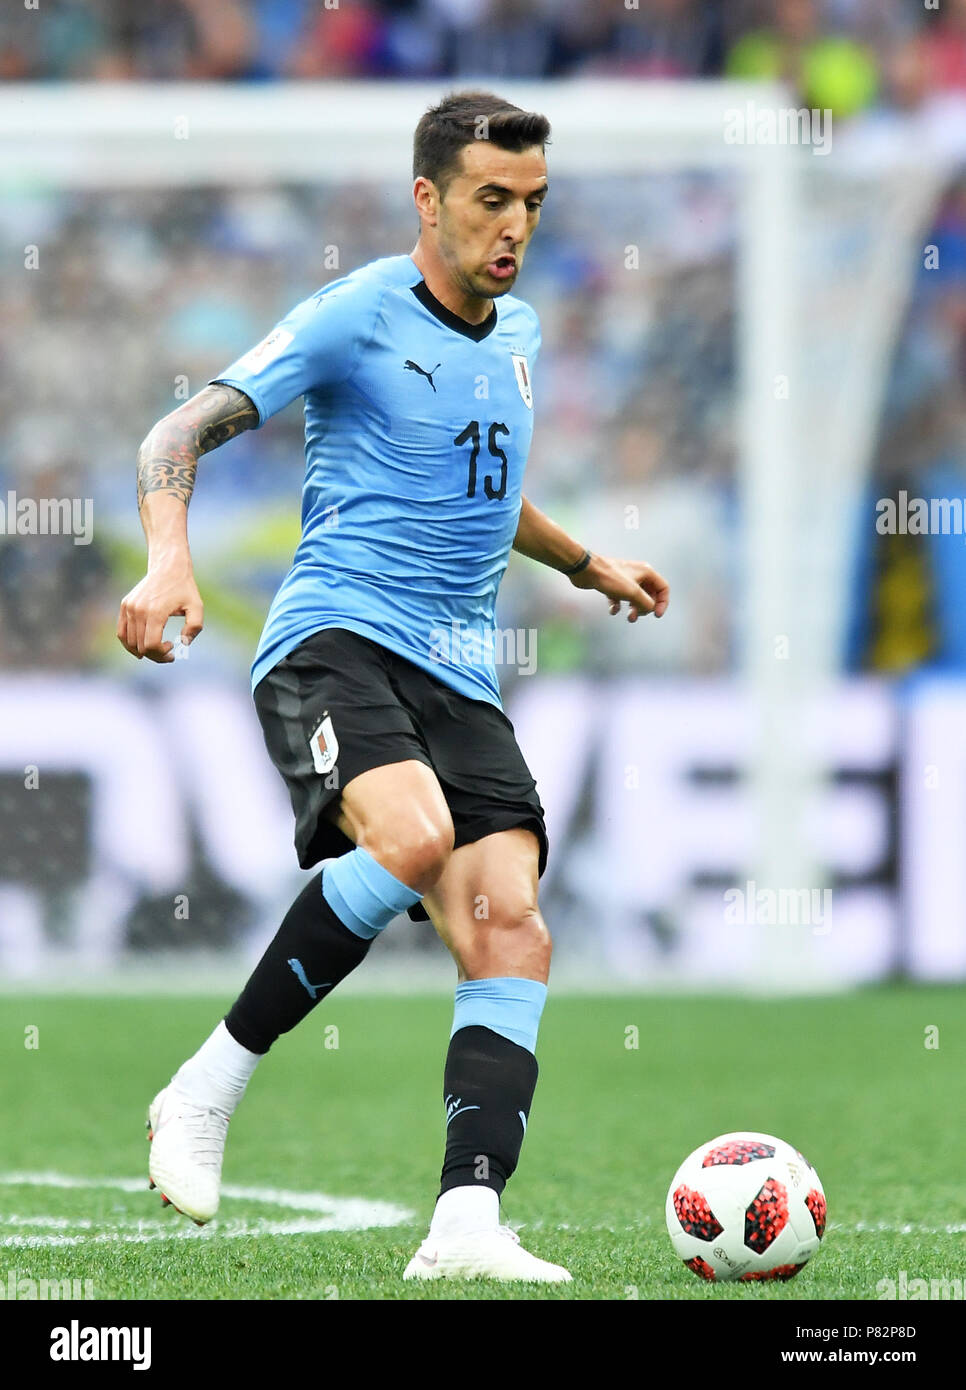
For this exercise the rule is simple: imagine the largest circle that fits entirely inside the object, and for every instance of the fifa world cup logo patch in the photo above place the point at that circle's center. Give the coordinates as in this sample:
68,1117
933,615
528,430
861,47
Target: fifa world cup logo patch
265,352
325,746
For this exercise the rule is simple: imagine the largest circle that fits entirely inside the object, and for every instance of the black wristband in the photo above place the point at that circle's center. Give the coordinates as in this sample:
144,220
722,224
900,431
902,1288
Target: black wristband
581,564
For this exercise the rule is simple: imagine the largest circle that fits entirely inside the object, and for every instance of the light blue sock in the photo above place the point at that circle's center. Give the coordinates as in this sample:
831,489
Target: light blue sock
364,895
508,1005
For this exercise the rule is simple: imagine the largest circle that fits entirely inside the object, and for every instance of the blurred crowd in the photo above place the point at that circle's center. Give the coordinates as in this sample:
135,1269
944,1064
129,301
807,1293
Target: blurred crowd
139,297
909,614
841,54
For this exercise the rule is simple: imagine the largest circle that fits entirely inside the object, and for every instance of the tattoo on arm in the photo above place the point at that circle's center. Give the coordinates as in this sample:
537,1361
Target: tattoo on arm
168,458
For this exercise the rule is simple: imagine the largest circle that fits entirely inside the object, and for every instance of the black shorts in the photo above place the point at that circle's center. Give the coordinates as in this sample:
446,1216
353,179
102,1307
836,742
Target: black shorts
339,705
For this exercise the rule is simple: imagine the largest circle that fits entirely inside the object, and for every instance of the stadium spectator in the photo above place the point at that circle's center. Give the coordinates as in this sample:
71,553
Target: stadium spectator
345,42
658,39
828,71
944,44
510,39
907,610
826,49
55,593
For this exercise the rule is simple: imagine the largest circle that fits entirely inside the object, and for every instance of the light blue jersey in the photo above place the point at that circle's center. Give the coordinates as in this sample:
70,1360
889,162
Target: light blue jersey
417,429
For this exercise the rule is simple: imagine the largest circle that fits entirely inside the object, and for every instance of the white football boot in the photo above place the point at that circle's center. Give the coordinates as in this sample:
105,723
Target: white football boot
187,1148
490,1254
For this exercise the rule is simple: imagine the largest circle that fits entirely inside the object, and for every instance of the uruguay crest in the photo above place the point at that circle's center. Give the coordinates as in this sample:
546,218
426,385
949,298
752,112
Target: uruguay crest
521,369
325,746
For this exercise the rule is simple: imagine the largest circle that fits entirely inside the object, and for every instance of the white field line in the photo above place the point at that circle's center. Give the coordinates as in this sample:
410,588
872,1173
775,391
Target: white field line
857,1228
909,1228
333,1214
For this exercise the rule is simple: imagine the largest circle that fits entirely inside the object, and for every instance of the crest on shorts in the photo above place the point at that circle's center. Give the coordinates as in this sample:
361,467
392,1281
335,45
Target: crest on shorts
325,746
522,371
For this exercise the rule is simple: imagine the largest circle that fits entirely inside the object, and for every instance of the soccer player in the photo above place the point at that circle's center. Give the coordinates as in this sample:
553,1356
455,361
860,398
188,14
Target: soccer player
374,679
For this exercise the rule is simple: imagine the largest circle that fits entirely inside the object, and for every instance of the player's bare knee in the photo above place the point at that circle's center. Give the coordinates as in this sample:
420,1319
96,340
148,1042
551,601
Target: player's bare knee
521,918
511,941
418,857
427,856
531,931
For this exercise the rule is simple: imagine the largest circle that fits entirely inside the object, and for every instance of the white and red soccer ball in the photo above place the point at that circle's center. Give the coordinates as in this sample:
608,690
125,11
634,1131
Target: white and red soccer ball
746,1206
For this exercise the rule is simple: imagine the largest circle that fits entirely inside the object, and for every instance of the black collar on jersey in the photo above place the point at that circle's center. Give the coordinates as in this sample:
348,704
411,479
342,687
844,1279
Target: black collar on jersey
476,331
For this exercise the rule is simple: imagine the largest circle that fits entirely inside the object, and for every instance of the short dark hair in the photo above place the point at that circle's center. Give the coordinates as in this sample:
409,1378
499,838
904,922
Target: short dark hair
462,117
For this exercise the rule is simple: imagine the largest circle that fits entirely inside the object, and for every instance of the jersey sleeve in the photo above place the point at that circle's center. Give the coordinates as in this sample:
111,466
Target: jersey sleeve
317,344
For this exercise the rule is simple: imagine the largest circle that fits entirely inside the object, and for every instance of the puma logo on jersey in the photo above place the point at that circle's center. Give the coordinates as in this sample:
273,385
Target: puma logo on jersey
415,367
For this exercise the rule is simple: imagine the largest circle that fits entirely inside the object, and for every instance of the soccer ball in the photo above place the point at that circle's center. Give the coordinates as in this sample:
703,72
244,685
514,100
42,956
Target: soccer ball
745,1206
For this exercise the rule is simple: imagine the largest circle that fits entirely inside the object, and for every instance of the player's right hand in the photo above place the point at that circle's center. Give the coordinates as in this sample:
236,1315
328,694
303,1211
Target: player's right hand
163,593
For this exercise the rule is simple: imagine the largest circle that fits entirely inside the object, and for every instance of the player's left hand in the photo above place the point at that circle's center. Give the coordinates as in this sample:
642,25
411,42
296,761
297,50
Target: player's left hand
626,581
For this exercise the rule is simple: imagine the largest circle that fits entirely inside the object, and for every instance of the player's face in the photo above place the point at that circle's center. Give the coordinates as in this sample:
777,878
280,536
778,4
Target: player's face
488,215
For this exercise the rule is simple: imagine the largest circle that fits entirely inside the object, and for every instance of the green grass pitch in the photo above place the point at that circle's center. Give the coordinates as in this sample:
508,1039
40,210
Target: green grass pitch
848,1079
